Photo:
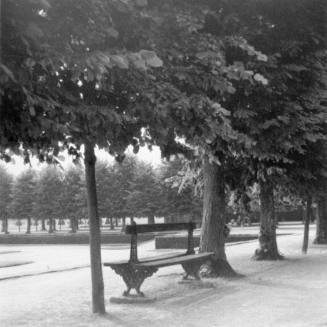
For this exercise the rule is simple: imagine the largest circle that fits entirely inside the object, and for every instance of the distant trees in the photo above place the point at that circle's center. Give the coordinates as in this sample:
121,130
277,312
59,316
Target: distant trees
23,198
136,189
5,197
178,203
144,193
125,190
72,198
48,191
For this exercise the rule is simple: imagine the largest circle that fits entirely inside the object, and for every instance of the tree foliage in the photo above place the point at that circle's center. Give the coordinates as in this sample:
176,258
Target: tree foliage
23,195
5,191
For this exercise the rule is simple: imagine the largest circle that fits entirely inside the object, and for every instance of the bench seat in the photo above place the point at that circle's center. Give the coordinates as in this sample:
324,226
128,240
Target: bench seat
175,260
147,259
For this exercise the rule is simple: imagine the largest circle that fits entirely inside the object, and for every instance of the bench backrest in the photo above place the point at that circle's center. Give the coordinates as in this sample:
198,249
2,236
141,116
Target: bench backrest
135,229
148,228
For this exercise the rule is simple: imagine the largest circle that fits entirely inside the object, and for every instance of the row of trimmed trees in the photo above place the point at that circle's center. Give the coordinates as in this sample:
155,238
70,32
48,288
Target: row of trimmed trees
128,189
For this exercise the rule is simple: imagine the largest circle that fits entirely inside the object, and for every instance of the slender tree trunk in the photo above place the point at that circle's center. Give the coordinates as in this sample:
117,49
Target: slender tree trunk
54,224
1,20
151,219
116,222
321,231
5,225
72,225
213,220
111,223
98,305
306,226
28,230
50,225
76,224
267,237
43,225
124,221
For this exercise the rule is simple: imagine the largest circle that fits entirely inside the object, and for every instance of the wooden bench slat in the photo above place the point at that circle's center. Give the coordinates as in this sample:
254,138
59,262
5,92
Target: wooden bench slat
174,261
147,259
147,228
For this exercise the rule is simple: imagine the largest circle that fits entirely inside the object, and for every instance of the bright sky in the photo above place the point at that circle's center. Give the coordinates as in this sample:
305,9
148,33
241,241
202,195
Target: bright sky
153,157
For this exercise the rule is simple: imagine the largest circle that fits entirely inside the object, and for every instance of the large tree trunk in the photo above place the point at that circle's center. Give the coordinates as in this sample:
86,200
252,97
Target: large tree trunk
116,222
98,305
151,219
213,221
321,231
267,237
306,226
28,229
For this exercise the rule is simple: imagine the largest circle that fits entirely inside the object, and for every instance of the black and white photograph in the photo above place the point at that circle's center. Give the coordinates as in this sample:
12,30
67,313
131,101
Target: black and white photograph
163,163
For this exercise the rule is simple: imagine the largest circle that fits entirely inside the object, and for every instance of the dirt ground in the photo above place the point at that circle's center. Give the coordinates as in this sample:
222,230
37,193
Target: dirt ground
289,293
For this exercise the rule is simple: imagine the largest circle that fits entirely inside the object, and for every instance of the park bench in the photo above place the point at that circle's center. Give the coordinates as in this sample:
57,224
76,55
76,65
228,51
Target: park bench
134,271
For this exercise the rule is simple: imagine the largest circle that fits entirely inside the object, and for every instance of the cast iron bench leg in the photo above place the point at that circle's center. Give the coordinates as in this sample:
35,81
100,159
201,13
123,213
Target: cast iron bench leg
133,277
192,269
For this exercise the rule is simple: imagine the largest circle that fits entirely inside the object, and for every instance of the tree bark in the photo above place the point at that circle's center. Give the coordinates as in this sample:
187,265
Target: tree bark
306,226
111,224
72,225
50,225
124,221
98,305
116,222
43,225
151,219
213,221
5,225
267,237
321,231
28,230
1,20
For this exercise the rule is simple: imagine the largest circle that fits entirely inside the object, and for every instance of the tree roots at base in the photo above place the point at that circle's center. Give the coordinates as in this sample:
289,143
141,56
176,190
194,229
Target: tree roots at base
262,254
218,268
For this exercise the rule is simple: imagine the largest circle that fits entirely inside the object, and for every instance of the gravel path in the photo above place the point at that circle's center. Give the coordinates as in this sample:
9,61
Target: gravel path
289,293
